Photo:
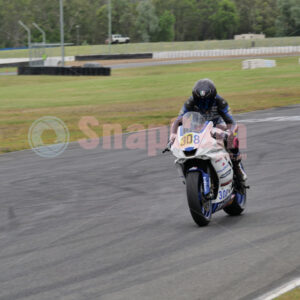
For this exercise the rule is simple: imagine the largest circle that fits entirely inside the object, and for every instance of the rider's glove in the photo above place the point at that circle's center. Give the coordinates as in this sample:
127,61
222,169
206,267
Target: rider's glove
170,142
228,135
172,138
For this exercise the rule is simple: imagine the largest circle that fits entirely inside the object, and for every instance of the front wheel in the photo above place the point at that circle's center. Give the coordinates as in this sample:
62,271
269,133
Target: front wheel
201,209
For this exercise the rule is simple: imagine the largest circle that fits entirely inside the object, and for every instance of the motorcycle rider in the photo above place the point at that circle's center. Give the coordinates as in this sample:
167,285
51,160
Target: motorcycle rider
213,107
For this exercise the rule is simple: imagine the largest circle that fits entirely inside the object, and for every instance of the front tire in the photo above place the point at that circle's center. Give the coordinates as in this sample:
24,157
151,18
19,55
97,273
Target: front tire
201,209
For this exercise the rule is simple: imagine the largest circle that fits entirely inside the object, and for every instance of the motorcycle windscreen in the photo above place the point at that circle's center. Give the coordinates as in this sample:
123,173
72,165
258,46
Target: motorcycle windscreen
193,122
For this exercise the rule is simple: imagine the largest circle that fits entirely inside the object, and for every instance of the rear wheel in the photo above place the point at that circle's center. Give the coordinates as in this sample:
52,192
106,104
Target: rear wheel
201,209
239,203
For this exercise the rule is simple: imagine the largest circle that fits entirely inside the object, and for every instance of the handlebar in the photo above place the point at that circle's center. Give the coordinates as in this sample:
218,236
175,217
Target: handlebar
168,148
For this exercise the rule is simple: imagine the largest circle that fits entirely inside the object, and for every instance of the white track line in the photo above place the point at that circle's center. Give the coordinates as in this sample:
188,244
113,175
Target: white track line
272,119
280,290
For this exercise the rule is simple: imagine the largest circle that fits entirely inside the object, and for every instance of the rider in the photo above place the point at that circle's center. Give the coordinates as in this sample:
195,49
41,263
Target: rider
213,107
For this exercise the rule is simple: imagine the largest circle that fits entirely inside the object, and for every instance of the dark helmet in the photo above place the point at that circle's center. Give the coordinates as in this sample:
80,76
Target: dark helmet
205,92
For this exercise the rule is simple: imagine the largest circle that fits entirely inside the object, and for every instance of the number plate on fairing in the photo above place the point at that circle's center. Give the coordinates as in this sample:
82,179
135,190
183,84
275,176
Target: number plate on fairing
224,196
190,140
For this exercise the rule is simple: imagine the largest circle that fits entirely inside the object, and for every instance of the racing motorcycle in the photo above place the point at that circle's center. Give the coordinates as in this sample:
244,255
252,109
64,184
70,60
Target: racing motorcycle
206,169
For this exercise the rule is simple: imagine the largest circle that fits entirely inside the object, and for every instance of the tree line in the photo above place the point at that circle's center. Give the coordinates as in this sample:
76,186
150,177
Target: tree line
148,20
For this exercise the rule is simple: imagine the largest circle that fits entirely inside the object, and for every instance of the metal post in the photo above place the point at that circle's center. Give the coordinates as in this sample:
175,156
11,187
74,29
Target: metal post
109,25
41,30
29,39
62,38
77,34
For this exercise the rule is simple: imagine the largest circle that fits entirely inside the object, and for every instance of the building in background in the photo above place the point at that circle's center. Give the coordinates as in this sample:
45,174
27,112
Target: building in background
250,36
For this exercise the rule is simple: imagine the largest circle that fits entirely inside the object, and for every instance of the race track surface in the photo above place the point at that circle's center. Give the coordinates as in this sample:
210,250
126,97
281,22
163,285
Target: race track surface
114,224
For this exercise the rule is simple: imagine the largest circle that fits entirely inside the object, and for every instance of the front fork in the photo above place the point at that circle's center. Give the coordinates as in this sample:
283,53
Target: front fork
206,179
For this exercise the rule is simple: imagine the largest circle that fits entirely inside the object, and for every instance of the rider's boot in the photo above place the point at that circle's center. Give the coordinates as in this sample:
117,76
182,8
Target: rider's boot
236,159
238,169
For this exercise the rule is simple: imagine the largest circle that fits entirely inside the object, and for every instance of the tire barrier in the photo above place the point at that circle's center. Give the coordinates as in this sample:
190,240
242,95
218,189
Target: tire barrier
114,56
64,71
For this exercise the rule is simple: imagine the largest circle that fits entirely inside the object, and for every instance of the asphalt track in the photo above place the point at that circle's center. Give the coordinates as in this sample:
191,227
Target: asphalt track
114,224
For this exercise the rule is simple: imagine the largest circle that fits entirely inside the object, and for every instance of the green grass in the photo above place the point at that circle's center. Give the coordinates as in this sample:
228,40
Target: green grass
292,295
166,46
8,69
151,95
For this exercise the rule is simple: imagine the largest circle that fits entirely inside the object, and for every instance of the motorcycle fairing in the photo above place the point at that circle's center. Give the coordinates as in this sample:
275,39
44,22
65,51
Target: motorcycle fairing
215,153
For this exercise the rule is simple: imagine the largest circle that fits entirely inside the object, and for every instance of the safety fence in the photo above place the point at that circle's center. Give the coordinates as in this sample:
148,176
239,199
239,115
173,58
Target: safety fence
217,53
228,52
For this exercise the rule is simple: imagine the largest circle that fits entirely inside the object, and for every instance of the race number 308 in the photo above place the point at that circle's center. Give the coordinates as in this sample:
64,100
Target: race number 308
223,194
190,139
186,140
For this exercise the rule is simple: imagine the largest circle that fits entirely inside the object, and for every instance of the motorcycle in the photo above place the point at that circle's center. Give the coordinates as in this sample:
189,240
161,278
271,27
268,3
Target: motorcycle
206,169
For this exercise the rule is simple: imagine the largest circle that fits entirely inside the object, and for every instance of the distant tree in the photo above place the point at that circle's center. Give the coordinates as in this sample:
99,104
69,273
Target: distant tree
166,31
187,19
225,20
288,22
127,20
265,17
11,33
246,10
147,21
205,22
102,24
257,16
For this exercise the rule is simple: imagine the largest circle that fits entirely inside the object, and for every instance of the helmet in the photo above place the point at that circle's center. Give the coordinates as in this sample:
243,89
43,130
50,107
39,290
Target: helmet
204,92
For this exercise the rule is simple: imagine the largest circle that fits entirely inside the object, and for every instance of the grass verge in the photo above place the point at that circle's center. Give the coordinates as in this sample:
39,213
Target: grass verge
8,69
148,96
292,295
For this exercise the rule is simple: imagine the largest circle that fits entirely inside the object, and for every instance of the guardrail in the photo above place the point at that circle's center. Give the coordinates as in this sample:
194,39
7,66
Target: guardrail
227,52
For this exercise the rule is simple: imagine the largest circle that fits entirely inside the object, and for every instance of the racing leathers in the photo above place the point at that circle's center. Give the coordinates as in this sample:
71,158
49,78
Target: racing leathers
217,111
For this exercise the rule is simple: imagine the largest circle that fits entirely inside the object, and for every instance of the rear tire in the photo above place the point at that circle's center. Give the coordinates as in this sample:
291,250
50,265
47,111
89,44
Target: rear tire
201,210
238,205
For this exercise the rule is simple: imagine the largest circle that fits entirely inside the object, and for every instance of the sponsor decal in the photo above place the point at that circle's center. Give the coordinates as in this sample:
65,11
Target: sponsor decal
220,171
226,174
202,93
226,183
